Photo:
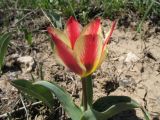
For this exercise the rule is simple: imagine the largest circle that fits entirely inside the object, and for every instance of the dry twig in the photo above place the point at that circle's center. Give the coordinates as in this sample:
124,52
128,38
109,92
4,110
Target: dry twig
19,109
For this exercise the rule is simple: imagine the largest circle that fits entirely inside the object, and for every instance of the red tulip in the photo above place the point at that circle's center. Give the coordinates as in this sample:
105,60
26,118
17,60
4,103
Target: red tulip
82,50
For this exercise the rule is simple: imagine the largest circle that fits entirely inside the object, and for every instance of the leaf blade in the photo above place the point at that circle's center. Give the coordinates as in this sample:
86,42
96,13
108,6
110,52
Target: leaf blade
106,102
4,41
73,111
115,105
36,91
28,36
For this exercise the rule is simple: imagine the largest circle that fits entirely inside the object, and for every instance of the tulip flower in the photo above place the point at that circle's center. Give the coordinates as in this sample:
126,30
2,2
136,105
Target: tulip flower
80,49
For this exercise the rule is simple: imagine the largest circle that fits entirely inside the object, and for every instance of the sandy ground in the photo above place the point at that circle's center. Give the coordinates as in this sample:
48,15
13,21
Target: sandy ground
131,68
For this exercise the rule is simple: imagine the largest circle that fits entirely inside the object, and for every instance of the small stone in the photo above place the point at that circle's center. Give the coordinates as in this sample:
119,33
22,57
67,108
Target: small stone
27,63
131,57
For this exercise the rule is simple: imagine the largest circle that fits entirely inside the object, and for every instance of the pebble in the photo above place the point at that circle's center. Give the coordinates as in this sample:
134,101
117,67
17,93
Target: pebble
28,63
131,57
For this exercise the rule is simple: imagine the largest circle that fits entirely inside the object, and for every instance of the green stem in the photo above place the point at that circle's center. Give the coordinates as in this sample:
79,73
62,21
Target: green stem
89,85
87,92
84,94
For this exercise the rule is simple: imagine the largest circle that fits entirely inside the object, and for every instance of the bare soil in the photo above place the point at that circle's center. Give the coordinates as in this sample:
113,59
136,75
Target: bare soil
131,68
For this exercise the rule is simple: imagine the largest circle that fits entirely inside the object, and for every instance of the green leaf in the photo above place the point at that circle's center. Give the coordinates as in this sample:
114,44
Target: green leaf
55,17
112,105
145,16
106,102
145,113
36,91
118,108
91,114
51,1
28,36
73,110
4,41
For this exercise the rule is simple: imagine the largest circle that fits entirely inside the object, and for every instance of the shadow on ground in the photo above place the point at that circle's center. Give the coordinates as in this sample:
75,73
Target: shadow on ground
126,115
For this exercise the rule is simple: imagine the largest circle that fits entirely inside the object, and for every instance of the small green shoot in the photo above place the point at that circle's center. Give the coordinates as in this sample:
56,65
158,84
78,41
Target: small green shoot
4,41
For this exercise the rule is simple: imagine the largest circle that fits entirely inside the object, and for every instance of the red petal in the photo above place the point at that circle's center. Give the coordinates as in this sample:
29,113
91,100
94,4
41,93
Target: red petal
68,58
56,33
73,29
88,48
94,27
66,54
108,35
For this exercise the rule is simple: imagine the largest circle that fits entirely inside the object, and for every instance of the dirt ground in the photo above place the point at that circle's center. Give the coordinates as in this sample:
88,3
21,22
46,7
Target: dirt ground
131,68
